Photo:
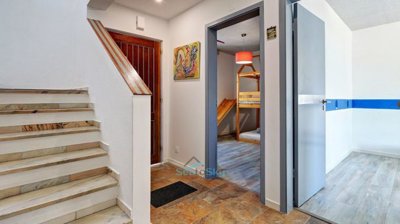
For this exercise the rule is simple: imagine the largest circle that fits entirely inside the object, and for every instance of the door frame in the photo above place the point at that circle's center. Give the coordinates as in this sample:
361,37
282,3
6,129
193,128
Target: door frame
158,105
211,131
286,98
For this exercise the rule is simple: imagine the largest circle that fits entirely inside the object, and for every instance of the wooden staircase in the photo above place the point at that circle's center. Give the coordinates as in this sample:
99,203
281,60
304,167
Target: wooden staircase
224,108
53,168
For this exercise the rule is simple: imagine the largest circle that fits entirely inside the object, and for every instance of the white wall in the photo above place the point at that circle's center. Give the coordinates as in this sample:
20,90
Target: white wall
38,52
141,186
121,18
338,81
187,98
272,108
376,70
226,89
226,76
187,101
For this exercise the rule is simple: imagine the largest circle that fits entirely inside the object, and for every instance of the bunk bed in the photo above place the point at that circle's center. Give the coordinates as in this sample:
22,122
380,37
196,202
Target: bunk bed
248,100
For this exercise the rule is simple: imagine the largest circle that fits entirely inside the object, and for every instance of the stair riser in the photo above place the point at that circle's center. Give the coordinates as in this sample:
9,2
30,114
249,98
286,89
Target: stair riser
82,213
8,107
37,166
51,126
22,211
41,135
48,151
33,176
45,118
41,111
45,91
26,145
51,182
21,98
62,209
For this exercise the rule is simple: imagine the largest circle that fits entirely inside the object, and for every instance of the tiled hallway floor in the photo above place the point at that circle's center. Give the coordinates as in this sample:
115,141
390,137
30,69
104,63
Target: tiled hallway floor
216,201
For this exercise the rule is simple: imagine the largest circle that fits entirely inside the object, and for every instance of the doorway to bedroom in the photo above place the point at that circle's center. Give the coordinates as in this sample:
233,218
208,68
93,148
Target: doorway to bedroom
235,99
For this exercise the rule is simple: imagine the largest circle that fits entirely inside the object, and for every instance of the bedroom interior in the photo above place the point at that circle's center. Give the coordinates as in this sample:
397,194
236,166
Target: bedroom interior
238,112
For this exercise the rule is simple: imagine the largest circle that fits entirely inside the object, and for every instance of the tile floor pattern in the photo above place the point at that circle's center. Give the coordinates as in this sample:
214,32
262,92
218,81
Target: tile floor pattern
240,162
216,202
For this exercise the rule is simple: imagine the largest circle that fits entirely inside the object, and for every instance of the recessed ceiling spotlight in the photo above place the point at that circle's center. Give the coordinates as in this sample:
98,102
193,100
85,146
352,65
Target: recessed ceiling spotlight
159,1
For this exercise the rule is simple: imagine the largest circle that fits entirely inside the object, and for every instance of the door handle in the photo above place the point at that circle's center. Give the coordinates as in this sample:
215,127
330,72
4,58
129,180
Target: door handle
324,101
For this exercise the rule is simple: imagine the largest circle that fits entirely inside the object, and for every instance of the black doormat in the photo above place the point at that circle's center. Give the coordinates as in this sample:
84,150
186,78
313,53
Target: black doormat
170,193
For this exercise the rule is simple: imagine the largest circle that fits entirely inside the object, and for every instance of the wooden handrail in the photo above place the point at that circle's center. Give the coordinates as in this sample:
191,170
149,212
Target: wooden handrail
125,68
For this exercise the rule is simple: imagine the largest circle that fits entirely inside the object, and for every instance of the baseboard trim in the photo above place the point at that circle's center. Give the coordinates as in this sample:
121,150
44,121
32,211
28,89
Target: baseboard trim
396,156
105,146
114,173
156,164
124,207
340,160
273,204
182,165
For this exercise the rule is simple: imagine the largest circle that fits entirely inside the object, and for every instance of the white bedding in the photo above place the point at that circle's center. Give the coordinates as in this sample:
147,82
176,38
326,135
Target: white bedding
251,135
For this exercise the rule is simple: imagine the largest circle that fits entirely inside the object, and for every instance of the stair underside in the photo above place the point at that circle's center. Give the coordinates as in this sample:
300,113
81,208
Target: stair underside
41,198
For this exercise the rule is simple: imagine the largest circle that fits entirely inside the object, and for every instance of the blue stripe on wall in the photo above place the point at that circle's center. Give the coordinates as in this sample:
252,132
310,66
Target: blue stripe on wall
341,104
338,104
377,104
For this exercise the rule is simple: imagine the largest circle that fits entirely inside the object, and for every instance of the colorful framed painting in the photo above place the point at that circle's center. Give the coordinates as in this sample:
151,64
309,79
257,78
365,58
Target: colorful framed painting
187,62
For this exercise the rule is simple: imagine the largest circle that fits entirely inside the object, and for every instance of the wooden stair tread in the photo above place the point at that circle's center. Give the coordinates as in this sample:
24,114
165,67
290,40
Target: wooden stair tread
46,91
43,161
41,198
46,133
113,215
36,111
224,108
40,106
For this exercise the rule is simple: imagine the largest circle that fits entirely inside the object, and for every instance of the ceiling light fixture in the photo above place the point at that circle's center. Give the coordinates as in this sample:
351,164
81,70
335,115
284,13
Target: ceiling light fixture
244,57
159,1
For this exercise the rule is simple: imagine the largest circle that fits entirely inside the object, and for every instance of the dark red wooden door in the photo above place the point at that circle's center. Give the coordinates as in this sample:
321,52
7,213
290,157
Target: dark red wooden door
144,56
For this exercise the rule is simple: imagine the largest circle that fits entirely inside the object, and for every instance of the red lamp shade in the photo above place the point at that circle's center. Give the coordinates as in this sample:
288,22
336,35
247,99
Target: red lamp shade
244,57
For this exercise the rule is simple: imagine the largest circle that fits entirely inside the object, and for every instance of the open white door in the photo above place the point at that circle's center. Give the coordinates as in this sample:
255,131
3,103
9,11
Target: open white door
309,95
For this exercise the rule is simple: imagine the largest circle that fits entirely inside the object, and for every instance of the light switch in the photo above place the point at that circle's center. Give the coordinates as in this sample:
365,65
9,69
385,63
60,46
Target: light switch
140,22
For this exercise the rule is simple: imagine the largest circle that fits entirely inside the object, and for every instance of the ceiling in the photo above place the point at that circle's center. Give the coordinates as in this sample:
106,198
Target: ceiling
167,9
233,40
360,14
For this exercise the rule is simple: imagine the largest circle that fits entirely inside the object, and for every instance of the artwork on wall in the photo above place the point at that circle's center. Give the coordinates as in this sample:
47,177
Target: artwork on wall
187,62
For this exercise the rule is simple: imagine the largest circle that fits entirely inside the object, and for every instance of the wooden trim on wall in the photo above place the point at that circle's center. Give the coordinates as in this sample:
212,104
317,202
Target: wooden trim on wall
132,79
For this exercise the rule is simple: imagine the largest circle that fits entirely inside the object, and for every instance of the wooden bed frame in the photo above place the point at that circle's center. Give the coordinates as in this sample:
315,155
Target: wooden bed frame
250,100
